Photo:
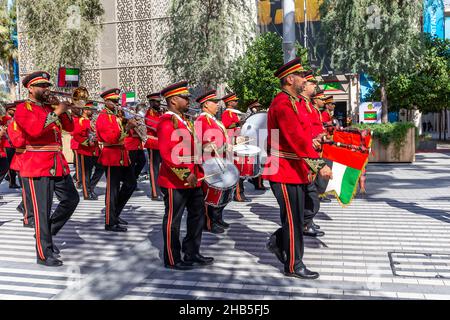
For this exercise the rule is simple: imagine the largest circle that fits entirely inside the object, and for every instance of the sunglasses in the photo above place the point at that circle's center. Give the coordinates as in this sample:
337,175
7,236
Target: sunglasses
42,85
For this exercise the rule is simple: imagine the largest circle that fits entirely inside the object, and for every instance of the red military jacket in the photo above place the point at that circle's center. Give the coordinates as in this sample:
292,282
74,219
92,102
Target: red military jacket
81,134
289,142
3,121
177,147
133,142
19,143
209,129
316,120
230,120
152,120
326,117
73,143
43,134
111,133
6,121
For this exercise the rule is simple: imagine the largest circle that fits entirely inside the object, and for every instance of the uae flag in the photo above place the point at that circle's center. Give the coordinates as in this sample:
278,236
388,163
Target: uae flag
128,97
68,77
347,166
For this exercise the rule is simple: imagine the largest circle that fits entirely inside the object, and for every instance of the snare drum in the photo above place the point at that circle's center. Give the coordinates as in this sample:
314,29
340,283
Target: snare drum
219,189
247,160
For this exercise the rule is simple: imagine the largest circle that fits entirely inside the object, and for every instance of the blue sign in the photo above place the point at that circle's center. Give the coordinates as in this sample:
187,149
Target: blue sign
433,18
447,28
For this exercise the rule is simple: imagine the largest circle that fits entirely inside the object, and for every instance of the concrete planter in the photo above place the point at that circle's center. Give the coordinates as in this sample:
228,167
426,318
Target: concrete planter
407,153
427,145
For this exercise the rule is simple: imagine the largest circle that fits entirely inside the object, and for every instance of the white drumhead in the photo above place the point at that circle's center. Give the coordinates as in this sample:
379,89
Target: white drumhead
246,150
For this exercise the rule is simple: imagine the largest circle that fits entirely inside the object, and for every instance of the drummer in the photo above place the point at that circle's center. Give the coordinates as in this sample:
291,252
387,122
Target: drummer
215,143
254,107
232,122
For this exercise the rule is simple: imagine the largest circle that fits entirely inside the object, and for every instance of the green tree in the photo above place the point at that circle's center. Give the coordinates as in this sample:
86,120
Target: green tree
8,50
377,37
253,73
203,37
427,85
61,32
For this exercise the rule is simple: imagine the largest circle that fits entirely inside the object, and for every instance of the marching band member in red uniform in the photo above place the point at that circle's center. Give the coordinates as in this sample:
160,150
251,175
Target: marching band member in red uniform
179,181
10,150
44,169
213,137
154,157
114,157
232,122
4,165
312,202
76,159
18,141
88,151
135,147
291,163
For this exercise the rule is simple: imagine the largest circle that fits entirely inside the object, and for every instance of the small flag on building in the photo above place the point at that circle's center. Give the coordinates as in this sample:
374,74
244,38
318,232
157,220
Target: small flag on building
370,116
128,97
68,77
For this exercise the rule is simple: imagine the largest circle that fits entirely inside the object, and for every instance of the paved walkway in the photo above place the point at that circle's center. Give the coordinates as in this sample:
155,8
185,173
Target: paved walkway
392,243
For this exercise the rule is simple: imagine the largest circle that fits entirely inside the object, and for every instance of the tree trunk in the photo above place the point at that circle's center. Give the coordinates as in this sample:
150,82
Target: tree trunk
384,101
440,125
445,124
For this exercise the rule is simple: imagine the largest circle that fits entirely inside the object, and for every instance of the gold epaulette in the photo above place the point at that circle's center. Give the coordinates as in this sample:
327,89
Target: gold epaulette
28,106
181,173
209,121
174,121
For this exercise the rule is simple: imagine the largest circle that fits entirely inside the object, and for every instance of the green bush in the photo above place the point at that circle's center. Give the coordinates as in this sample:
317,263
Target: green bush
388,133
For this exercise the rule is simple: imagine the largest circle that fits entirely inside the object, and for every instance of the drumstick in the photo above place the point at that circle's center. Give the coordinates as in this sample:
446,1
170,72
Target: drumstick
205,177
244,142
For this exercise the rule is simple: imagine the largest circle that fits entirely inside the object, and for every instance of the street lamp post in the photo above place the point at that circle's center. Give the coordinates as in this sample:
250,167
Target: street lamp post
289,30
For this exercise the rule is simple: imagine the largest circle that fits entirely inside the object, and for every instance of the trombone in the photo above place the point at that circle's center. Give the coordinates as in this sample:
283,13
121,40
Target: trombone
77,99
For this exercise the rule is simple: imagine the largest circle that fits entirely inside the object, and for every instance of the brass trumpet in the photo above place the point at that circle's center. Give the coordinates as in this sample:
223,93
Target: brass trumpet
77,99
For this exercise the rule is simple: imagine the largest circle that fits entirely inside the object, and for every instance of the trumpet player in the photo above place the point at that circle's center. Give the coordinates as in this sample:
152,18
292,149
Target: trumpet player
154,157
88,152
114,157
10,150
44,168
134,143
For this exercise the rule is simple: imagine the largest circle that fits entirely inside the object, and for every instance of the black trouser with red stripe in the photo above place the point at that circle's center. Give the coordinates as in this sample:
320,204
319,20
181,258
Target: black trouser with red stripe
28,217
154,162
76,162
89,181
291,199
239,195
4,166
12,173
257,182
39,193
137,161
312,203
117,196
213,216
176,200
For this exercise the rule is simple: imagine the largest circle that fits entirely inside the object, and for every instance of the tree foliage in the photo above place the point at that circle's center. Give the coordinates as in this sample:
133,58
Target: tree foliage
203,37
425,87
8,49
253,73
377,37
61,32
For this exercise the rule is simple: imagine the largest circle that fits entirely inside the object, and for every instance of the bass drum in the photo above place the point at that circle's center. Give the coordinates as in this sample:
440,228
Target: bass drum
255,128
219,188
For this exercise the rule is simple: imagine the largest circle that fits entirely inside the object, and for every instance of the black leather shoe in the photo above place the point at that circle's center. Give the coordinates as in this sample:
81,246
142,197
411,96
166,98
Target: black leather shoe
181,265
325,199
242,200
93,196
90,198
29,225
116,228
14,186
56,250
78,186
302,273
311,232
223,224
20,209
121,221
198,259
315,226
278,252
159,198
50,262
215,228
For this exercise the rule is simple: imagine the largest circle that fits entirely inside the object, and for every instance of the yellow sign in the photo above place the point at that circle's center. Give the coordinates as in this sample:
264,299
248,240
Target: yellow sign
269,12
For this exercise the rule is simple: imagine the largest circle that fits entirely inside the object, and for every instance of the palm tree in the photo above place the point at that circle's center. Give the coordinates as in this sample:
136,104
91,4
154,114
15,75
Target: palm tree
8,49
